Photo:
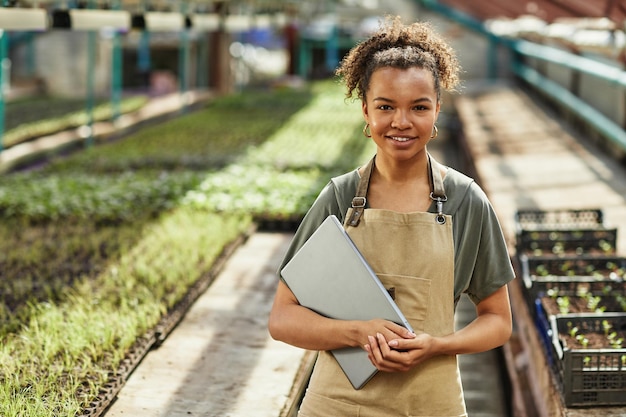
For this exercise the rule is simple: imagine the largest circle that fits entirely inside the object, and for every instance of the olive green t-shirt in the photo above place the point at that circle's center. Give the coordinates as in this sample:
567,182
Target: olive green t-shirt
481,260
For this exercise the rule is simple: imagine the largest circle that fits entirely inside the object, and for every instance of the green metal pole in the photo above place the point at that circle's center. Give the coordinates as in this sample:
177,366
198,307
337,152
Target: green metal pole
4,52
144,60
304,57
492,58
116,71
332,45
4,46
202,60
183,54
91,64
116,76
332,50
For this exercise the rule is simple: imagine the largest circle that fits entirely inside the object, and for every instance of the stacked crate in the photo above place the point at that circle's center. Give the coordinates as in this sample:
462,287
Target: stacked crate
574,284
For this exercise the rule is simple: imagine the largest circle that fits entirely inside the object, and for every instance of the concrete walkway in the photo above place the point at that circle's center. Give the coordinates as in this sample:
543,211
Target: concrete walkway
220,360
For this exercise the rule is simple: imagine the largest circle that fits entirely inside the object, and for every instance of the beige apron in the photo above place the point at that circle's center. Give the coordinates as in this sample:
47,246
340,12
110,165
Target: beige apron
413,253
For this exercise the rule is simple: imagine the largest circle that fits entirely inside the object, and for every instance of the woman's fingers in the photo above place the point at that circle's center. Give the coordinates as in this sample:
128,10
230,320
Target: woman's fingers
378,353
397,355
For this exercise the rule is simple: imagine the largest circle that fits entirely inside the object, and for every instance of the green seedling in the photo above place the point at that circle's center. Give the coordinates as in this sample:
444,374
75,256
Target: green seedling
563,303
593,302
541,270
605,246
582,340
616,342
553,292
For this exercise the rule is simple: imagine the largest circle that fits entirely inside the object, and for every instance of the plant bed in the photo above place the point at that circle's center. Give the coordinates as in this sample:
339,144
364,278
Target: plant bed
598,267
586,302
563,232
51,346
600,241
565,303
32,118
589,360
534,219
568,294
570,274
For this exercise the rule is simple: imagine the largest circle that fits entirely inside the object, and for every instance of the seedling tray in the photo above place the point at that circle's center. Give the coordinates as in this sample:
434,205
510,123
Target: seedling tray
563,242
571,275
531,219
558,232
589,377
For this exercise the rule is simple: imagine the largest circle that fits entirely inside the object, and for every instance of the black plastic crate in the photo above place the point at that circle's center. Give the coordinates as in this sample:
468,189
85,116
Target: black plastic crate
532,219
570,275
589,377
574,266
558,232
562,242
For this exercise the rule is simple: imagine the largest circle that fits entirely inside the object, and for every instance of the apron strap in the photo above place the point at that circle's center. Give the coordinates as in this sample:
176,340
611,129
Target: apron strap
359,200
437,194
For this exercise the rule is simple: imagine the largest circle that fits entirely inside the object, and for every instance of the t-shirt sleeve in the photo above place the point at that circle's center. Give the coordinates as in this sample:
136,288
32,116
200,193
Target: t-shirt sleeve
483,261
325,204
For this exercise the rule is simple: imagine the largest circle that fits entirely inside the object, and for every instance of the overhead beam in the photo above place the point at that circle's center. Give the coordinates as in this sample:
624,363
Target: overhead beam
23,19
82,19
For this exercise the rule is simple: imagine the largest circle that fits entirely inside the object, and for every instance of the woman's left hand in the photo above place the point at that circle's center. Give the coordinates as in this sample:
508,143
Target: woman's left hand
399,355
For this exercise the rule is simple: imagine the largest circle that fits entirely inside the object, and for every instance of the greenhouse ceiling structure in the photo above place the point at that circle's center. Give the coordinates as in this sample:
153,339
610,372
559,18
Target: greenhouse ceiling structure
154,14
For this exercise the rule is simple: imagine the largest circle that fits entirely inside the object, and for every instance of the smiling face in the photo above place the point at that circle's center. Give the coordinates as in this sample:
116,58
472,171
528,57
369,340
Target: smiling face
401,108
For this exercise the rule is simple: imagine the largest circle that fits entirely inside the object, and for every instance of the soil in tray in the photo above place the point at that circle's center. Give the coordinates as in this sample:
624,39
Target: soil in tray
559,251
579,304
581,338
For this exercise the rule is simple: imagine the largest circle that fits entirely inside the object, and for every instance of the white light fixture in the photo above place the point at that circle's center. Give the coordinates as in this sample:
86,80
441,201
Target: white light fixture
237,23
205,22
280,20
23,19
83,19
263,21
156,21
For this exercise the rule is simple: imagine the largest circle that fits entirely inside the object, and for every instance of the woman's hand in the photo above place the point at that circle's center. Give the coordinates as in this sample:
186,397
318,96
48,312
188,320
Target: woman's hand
387,329
297,325
491,328
399,354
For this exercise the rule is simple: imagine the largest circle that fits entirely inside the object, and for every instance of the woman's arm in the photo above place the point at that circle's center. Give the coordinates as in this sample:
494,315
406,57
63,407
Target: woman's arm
491,328
296,325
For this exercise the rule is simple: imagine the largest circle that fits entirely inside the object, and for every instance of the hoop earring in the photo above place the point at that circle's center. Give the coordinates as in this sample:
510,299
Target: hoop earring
435,132
366,133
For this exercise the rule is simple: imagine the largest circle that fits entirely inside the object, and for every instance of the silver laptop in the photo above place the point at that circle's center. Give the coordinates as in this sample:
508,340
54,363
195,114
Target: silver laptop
330,276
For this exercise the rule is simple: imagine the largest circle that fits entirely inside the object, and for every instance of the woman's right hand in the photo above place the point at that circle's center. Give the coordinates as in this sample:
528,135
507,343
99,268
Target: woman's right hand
388,329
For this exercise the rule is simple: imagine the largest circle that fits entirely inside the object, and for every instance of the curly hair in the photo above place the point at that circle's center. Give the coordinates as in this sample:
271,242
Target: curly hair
400,46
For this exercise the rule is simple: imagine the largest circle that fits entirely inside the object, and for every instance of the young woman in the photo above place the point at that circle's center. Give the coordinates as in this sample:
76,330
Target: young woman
427,230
